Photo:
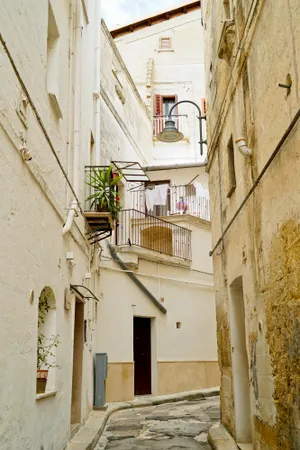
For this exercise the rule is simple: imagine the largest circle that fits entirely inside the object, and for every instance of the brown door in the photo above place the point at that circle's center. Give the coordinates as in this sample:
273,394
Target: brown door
142,355
77,362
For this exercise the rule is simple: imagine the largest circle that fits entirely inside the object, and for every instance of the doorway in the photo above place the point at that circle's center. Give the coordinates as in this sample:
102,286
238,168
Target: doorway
240,364
77,363
142,355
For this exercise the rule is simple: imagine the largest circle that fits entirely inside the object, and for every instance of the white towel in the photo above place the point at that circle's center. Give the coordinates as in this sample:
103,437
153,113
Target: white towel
201,191
162,193
156,196
150,199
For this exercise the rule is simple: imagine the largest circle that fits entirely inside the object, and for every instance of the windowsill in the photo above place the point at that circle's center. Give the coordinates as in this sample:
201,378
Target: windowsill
165,50
45,395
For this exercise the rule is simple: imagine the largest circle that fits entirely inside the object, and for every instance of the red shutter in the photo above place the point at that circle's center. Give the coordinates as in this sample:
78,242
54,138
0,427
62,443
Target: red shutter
158,106
203,106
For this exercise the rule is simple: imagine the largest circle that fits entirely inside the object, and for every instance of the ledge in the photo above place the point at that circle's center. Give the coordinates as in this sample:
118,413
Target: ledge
160,50
45,395
152,255
187,218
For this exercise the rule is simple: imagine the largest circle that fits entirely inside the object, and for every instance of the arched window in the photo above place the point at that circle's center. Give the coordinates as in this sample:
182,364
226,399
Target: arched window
47,341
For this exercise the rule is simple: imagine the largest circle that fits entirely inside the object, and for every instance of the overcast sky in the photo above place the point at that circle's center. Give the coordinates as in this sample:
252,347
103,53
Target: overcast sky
120,12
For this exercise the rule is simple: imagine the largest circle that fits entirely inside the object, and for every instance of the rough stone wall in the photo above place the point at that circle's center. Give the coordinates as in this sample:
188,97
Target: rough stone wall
262,246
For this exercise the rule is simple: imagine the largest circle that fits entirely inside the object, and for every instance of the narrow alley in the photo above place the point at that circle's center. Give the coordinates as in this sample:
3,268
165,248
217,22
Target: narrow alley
181,425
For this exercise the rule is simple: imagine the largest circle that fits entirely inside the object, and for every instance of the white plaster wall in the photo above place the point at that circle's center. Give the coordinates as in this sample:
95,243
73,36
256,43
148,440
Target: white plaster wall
33,210
126,128
189,303
178,72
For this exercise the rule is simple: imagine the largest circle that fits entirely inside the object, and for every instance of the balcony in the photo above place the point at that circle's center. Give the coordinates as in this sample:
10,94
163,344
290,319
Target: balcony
136,228
182,199
100,206
180,123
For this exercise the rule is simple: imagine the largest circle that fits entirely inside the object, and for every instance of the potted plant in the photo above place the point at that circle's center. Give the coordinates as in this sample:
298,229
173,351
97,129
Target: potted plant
45,354
45,348
104,196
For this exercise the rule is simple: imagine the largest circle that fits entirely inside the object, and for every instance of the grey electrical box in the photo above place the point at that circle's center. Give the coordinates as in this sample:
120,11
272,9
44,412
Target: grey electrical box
100,375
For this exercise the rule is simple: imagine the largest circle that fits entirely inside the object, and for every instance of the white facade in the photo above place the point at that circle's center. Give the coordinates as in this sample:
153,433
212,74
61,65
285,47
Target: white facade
51,45
177,71
183,341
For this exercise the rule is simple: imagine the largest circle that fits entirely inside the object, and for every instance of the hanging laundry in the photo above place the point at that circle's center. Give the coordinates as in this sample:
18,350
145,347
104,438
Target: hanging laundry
162,194
150,195
201,191
156,196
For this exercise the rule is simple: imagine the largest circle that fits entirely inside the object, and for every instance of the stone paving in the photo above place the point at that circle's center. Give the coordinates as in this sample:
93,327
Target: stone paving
182,425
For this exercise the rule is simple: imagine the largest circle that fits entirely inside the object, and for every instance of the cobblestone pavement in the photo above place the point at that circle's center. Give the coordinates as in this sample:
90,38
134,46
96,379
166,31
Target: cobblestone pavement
182,425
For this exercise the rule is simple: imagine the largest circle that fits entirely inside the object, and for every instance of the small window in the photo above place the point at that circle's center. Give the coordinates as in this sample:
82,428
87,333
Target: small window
168,103
231,168
165,43
53,62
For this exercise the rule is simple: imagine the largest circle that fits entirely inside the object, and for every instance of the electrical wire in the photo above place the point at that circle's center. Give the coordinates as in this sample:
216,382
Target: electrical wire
38,118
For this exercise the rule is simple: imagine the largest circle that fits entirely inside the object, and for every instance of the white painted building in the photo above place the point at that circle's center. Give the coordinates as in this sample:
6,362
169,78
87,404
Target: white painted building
155,275
165,56
47,113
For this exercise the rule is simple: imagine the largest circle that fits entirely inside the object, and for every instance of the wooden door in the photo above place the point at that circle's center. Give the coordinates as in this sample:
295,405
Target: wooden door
142,355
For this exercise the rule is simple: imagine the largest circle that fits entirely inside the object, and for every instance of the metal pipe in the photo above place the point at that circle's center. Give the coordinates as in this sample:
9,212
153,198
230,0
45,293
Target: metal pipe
77,111
136,280
173,166
277,149
38,118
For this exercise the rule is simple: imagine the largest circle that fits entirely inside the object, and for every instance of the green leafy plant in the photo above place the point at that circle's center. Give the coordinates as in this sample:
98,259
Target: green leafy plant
45,345
45,349
104,196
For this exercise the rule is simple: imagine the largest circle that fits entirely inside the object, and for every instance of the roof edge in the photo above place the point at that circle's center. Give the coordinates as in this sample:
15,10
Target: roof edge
152,20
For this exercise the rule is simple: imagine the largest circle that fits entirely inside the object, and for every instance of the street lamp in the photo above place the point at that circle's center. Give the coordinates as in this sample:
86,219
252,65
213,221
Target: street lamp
171,134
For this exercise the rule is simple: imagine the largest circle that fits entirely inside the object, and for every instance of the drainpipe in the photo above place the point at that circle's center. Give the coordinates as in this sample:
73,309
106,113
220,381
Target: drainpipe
77,103
97,63
243,148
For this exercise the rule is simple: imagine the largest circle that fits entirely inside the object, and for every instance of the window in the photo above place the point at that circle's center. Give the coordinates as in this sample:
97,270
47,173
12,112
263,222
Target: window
227,9
53,62
47,341
164,103
231,168
153,209
165,43
168,103
162,107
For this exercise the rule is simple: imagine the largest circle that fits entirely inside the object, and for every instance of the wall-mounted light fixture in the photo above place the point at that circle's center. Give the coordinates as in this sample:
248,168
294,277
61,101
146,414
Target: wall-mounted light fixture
171,134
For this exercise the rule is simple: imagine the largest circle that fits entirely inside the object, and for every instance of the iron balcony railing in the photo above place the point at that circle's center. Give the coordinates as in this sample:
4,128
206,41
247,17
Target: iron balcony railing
146,231
182,199
180,123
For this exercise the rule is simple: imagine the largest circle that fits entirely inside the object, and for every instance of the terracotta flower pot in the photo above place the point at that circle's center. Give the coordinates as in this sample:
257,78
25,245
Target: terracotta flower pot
41,381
